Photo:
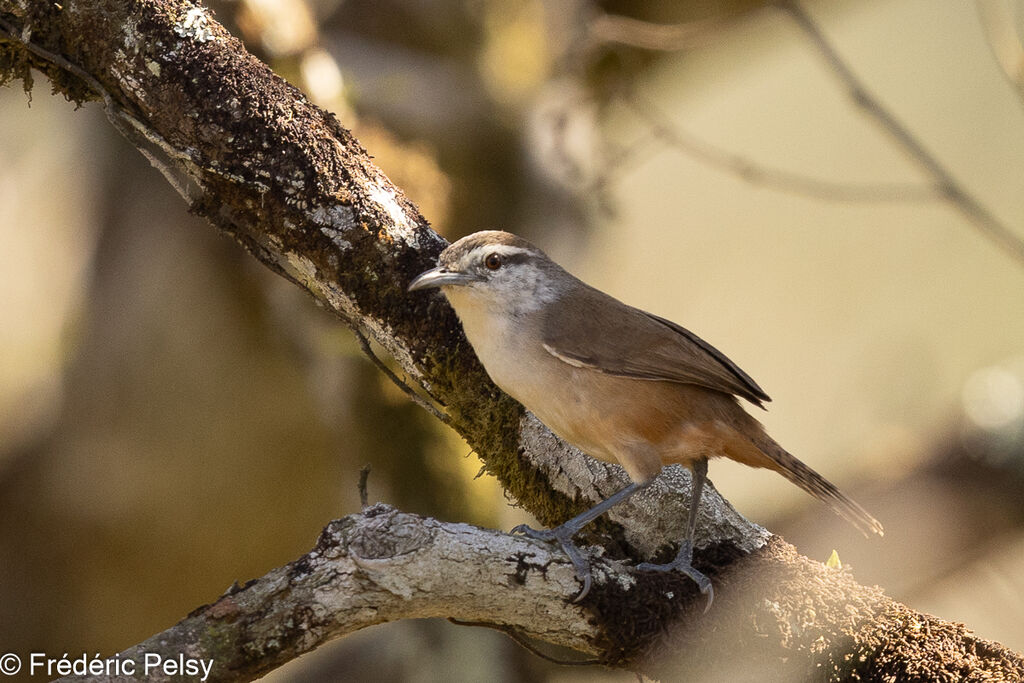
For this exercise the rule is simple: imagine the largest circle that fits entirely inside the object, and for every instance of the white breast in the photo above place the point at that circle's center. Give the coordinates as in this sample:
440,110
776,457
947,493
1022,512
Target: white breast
499,340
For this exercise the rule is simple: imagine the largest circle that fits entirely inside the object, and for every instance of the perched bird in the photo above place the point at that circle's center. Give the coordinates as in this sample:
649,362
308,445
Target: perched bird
621,384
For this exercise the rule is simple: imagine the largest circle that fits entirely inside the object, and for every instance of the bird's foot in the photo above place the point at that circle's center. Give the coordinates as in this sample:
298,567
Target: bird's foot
563,536
682,564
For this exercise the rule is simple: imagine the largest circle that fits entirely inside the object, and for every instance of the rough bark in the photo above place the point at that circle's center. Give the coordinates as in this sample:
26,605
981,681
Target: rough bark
779,616
289,183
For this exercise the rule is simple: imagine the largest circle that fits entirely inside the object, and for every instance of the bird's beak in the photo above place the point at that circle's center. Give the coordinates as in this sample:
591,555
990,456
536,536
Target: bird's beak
439,277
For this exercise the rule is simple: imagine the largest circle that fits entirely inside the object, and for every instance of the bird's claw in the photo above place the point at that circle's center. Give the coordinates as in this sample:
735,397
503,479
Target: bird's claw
682,564
563,537
535,534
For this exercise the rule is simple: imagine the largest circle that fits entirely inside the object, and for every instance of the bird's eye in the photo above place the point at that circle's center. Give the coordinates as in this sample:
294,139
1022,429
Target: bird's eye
493,261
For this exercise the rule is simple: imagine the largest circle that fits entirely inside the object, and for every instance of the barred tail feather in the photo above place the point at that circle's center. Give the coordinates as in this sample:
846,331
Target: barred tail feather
822,489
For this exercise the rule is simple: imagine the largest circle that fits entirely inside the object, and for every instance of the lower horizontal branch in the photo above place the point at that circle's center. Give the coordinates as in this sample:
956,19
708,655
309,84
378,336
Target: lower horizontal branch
378,566
777,613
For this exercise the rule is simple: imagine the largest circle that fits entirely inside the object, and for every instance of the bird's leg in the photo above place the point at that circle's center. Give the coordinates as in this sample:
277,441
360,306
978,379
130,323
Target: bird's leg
682,562
564,533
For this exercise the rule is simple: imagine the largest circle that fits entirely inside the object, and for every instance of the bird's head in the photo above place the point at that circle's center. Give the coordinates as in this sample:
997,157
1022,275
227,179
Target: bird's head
496,269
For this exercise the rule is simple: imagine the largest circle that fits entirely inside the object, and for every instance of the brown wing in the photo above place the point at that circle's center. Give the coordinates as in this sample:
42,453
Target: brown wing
616,339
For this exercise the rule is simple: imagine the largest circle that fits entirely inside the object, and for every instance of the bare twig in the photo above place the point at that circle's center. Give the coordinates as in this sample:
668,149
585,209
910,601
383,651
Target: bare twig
123,122
614,28
978,216
670,133
364,343
997,20
364,492
943,185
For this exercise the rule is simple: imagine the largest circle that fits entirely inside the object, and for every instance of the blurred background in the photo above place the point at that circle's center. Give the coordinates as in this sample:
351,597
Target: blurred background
174,417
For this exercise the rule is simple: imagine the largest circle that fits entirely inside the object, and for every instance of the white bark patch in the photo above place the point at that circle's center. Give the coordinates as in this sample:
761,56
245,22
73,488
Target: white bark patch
335,222
195,25
401,227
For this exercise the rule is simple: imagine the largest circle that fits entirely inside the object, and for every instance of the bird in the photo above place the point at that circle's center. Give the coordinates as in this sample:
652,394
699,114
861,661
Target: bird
621,384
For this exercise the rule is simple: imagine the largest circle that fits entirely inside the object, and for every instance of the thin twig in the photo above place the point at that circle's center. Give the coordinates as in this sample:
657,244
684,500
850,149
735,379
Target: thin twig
646,35
364,343
620,159
947,186
364,493
670,133
996,17
126,124
525,644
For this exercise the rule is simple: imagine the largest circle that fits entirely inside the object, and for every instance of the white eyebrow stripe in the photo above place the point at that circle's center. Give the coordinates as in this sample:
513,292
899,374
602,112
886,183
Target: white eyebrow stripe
480,252
501,249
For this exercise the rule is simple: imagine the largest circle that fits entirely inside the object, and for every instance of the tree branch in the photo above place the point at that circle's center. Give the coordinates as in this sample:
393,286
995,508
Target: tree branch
669,133
998,21
948,187
646,35
289,183
942,185
371,568
383,565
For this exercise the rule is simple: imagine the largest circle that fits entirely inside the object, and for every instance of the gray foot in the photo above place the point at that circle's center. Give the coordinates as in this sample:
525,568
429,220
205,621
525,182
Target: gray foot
682,564
563,536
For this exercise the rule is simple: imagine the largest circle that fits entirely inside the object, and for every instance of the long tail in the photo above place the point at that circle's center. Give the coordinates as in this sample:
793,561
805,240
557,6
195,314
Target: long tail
803,476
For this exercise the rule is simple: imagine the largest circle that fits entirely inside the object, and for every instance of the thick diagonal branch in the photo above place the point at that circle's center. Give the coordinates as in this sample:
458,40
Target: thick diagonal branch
289,183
